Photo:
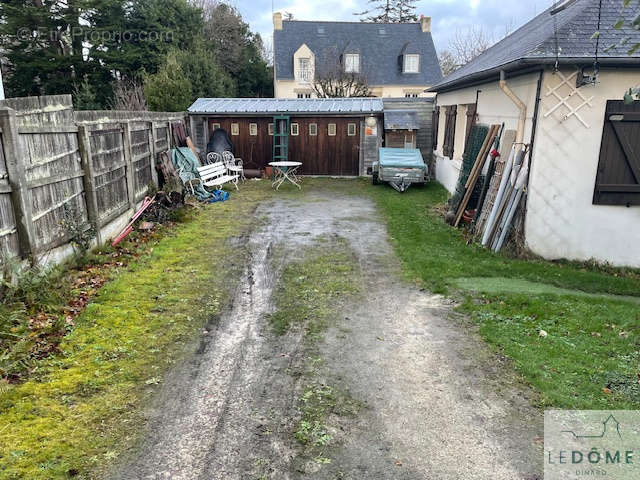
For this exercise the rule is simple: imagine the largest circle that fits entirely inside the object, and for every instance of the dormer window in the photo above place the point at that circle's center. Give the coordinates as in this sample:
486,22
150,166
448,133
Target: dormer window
411,63
304,69
352,63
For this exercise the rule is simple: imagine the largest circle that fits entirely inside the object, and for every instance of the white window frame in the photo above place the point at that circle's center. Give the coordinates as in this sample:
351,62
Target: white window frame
352,62
270,128
331,130
406,63
253,129
351,129
295,129
235,129
313,129
304,73
214,126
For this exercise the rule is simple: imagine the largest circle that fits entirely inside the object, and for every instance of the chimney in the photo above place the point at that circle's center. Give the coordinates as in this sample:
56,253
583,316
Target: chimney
425,23
277,21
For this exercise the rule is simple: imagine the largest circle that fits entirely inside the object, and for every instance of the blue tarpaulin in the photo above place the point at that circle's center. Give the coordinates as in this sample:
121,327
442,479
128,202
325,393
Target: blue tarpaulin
401,158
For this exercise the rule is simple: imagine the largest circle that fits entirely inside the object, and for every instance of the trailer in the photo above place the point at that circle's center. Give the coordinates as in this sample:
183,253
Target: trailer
400,167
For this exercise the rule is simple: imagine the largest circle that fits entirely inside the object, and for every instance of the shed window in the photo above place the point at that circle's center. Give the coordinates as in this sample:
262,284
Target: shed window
618,175
411,63
215,126
235,129
449,130
253,129
294,129
331,130
313,129
351,129
270,129
352,63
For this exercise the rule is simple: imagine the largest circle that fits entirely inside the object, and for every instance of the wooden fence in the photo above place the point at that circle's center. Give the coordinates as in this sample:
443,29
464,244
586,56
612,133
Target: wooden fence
97,164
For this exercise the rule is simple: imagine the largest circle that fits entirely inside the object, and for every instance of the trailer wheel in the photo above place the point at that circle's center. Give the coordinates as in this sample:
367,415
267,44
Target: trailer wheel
374,179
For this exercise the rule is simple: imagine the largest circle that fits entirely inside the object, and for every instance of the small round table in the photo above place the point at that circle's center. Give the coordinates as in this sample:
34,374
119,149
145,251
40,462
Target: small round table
285,171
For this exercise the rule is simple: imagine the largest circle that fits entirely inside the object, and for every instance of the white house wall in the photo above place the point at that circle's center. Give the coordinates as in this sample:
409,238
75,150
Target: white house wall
494,107
561,220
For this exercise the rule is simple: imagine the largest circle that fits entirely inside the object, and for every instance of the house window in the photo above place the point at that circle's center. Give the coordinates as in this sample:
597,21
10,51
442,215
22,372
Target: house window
270,129
411,63
294,129
304,69
313,129
331,130
411,95
215,126
304,95
352,63
253,129
235,129
449,130
351,129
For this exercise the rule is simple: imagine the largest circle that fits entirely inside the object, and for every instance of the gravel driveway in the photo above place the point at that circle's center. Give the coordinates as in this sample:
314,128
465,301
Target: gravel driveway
438,404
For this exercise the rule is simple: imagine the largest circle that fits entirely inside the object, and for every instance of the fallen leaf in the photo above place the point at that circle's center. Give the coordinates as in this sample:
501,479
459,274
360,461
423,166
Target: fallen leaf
606,390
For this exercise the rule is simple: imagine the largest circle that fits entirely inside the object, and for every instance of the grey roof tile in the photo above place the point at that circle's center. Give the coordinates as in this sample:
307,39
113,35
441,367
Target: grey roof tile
568,33
379,52
286,105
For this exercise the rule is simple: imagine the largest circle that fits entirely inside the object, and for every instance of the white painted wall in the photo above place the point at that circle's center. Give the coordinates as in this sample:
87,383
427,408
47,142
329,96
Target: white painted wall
561,220
1,86
493,107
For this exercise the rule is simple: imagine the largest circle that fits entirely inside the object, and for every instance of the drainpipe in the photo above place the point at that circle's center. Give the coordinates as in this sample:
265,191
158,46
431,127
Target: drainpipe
519,103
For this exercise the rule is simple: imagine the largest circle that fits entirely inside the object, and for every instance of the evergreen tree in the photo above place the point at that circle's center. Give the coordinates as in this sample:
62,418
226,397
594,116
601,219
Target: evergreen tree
168,90
390,11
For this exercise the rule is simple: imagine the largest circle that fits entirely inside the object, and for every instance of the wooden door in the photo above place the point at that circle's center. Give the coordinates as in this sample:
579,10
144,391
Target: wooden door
254,150
322,153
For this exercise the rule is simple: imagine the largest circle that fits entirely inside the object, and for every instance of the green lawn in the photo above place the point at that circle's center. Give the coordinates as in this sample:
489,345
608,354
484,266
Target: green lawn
590,357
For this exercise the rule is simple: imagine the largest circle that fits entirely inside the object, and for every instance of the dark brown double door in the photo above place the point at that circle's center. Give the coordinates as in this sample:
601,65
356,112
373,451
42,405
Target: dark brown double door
320,154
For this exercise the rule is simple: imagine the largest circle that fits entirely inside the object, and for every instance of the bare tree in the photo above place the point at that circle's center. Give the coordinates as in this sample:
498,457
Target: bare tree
466,45
331,80
128,95
448,62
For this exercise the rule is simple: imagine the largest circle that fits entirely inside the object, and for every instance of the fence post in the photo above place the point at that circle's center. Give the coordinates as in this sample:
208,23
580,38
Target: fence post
152,151
126,144
15,158
89,180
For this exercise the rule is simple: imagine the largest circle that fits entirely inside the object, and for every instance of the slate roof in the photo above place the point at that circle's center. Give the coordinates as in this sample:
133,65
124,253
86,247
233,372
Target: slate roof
379,45
287,105
536,41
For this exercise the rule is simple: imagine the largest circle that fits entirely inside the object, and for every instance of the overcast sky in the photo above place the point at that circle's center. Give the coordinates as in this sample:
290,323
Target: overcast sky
447,15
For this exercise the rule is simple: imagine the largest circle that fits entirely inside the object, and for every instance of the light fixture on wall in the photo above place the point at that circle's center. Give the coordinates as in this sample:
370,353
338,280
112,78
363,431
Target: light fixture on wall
371,121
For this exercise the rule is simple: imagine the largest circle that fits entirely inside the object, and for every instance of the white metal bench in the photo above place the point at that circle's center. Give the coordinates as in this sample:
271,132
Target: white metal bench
216,175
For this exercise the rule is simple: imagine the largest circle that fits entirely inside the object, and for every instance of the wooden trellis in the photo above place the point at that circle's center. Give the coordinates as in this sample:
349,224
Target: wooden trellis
570,82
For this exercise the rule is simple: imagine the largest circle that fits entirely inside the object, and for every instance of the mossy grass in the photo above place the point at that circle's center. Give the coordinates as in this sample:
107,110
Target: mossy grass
83,408
308,298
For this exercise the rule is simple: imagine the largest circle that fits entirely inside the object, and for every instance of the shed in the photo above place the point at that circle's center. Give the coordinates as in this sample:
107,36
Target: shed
333,136
400,127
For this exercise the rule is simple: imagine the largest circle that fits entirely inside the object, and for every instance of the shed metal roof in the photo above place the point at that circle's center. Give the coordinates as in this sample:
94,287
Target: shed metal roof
401,120
287,105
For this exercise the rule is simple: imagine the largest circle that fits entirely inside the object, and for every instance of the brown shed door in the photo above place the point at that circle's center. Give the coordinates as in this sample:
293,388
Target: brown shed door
618,177
254,150
324,154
